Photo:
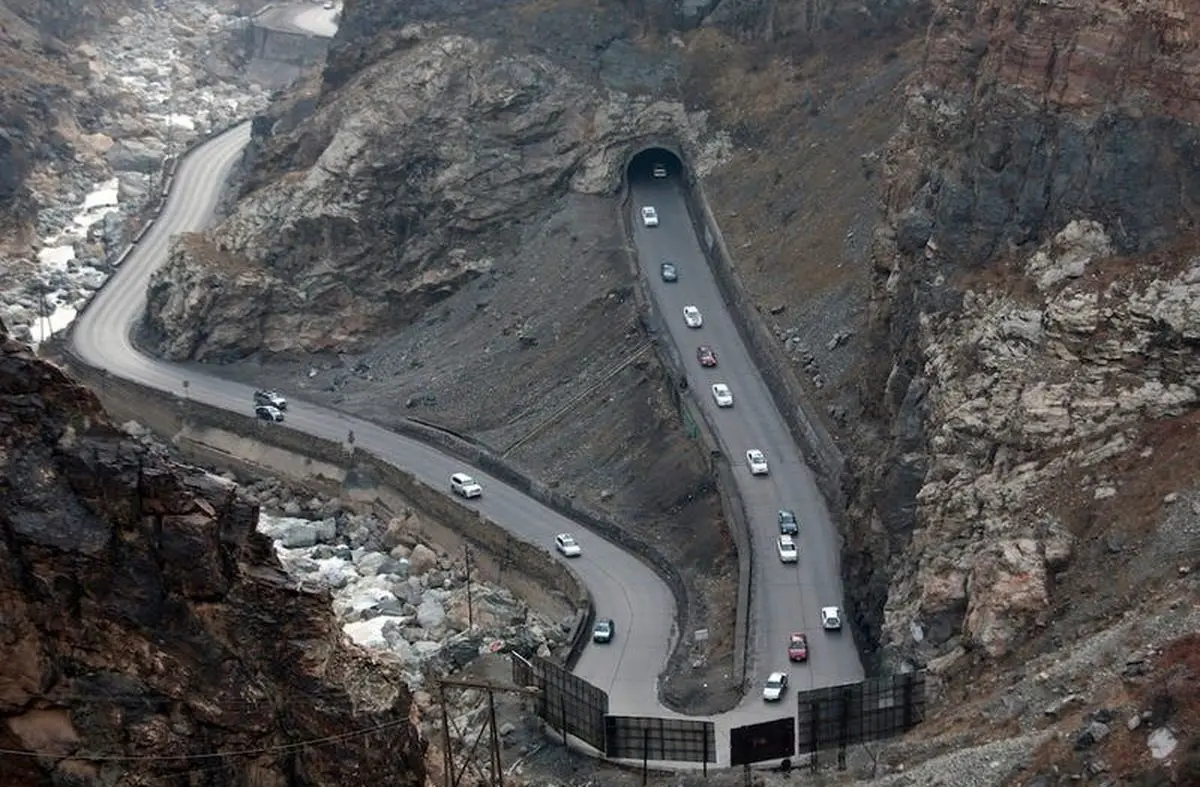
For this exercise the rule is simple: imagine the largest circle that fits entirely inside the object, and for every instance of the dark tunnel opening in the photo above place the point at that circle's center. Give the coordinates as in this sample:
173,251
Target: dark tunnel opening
653,163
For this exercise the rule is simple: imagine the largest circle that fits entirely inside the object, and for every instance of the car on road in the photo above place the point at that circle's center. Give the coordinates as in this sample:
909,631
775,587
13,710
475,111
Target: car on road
567,545
706,356
722,395
757,461
660,170
265,412
270,399
691,316
328,5
775,686
831,618
602,631
788,551
649,216
797,647
465,486
788,525
669,271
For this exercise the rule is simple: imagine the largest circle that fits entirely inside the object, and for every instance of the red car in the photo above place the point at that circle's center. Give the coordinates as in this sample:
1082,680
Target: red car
706,356
798,647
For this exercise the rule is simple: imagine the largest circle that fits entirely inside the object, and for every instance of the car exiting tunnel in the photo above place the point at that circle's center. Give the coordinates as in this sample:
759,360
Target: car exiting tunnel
653,163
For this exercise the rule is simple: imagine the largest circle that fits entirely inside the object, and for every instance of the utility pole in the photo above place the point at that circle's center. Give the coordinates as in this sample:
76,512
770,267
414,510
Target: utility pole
43,318
470,604
495,770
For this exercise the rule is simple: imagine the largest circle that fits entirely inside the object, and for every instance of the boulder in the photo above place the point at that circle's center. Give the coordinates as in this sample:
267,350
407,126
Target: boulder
431,614
136,155
422,560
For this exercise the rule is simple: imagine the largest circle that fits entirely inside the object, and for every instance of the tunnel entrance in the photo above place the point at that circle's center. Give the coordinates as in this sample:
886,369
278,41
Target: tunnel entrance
653,163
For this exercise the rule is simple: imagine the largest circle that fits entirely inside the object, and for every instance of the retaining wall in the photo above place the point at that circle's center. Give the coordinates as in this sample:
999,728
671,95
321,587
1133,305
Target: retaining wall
791,397
250,447
683,397
283,46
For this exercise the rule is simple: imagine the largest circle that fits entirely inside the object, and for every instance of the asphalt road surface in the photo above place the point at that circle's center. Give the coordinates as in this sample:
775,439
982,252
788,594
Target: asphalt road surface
785,597
628,591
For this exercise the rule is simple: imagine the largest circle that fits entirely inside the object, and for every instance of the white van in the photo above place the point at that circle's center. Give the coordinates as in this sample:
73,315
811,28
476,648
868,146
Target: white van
462,484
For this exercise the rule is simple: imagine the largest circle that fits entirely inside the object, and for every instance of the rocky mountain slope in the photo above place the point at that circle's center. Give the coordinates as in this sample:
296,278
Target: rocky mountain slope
969,223
1011,281
146,625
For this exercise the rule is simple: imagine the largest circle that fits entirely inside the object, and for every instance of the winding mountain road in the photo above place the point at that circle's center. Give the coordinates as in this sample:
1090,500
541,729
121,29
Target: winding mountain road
786,598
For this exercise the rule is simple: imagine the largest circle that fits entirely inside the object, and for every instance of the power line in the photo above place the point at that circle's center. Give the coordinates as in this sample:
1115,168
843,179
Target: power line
283,747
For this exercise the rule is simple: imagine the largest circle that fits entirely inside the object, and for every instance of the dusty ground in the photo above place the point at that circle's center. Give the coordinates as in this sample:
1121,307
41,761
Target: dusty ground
798,203
543,360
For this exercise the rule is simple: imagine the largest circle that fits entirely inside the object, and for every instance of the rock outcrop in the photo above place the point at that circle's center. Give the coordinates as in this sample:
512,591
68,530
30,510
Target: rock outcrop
1034,305
367,213
146,624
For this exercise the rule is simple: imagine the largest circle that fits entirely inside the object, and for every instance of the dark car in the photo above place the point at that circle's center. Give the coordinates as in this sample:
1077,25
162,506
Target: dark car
788,525
669,271
266,412
798,647
602,631
706,356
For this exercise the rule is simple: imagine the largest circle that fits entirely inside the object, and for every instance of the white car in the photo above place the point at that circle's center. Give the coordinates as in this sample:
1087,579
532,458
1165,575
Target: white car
691,316
788,551
757,461
462,484
566,543
831,619
722,395
776,683
660,170
649,216
270,399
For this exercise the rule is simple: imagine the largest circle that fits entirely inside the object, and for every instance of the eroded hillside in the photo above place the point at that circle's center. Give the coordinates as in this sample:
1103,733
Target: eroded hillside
146,623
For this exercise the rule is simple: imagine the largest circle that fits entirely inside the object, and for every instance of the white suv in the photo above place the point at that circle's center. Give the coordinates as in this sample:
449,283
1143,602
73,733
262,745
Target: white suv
757,461
831,619
463,484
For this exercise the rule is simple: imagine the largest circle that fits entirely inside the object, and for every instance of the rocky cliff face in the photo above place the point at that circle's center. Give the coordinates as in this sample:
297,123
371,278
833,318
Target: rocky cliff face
1034,305
371,212
147,627
39,95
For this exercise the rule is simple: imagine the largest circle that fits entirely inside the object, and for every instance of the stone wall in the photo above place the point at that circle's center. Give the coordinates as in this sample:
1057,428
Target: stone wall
246,445
282,46
803,418
692,414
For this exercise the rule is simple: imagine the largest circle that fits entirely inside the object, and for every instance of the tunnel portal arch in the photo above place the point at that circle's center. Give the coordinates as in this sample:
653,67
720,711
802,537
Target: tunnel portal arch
651,162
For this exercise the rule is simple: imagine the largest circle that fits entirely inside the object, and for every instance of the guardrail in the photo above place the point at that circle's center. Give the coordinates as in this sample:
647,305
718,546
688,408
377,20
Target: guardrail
147,215
792,400
184,421
682,397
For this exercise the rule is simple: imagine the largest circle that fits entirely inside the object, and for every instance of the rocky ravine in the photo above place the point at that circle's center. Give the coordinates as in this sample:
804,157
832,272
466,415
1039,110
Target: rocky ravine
95,97
145,619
